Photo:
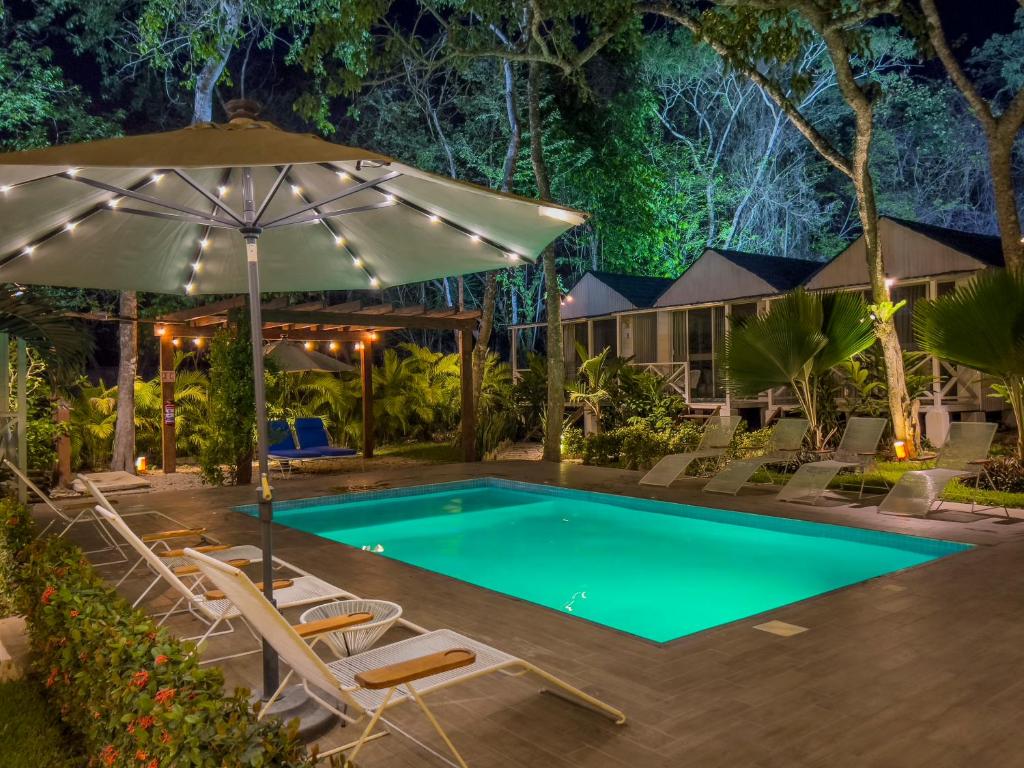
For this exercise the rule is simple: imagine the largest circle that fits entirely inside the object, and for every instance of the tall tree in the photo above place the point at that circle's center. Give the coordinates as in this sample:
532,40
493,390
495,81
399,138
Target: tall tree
123,457
1001,117
750,32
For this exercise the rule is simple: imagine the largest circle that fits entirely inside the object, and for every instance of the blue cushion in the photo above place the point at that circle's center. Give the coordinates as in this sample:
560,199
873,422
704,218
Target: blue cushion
279,436
295,453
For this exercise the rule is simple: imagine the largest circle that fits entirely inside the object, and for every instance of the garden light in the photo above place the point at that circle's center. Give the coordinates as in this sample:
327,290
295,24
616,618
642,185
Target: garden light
900,449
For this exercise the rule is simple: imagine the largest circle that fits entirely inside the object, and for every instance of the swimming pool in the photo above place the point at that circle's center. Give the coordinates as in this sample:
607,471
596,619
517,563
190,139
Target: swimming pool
651,568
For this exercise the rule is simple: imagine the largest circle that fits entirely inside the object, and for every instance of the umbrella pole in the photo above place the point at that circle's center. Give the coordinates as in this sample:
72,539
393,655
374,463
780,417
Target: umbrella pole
263,491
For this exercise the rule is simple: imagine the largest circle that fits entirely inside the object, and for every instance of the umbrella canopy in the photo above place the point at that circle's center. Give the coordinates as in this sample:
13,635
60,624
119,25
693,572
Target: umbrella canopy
230,208
292,357
331,216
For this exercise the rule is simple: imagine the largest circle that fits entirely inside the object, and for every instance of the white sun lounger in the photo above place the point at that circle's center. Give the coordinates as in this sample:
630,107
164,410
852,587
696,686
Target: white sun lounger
372,682
786,439
214,609
916,491
856,450
718,432
70,517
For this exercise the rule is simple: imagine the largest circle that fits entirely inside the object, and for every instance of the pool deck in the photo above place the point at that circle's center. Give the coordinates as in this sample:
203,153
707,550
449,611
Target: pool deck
917,668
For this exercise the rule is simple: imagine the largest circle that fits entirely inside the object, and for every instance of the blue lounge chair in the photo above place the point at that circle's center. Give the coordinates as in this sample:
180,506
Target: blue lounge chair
282,443
313,437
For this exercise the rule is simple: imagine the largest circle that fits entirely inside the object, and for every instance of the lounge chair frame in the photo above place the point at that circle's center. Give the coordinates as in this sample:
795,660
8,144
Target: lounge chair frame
323,680
786,441
857,450
718,433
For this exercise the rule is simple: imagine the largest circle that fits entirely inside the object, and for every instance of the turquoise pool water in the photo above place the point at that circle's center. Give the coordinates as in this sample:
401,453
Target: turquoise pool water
650,568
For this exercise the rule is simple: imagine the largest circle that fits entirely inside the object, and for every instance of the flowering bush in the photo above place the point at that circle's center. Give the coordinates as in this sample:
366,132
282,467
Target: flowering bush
135,694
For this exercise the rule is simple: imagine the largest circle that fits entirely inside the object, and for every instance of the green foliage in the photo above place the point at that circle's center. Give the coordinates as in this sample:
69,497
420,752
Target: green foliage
231,420
31,736
592,384
864,376
981,326
128,689
797,343
639,446
639,395
573,443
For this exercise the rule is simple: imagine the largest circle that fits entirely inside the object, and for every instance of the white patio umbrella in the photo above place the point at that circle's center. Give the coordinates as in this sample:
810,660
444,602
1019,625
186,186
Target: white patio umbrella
245,206
293,357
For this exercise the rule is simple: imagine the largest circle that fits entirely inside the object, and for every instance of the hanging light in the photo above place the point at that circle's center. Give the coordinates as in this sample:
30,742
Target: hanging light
198,341
434,218
333,346
176,342
204,243
189,288
70,226
72,172
113,202
156,177
339,240
512,256
374,282
308,346
357,346
356,261
28,250
475,237
343,176
5,188
296,189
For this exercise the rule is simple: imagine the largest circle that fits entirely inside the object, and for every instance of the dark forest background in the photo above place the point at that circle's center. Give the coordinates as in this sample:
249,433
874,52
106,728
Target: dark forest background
667,146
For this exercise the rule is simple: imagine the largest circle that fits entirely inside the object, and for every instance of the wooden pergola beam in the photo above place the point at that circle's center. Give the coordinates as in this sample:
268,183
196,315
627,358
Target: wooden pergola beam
194,313
455,322
271,334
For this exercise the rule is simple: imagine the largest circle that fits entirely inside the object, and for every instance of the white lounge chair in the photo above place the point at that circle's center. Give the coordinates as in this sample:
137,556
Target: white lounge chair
967,444
857,450
787,437
374,681
79,513
718,432
212,608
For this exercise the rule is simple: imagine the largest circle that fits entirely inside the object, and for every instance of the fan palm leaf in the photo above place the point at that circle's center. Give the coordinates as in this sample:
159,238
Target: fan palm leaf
981,326
63,344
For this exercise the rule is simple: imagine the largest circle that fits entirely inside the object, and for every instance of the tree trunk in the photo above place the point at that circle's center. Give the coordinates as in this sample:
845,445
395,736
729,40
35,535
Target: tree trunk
1000,160
491,278
127,343
902,410
213,68
553,298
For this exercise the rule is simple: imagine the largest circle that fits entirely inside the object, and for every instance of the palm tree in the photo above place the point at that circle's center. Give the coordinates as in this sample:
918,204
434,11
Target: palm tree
801,339
592,384
981,326
63,345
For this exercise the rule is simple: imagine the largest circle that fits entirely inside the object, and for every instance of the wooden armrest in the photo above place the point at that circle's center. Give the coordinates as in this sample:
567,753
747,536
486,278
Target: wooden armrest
981,462
867,453
333,624
204,548
188,570
415,669
181,533
216,594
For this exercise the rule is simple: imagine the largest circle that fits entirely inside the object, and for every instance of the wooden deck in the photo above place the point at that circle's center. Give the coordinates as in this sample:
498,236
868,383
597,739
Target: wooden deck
918,668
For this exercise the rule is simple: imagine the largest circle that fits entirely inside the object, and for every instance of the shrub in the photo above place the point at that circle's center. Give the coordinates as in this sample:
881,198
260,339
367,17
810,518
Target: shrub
602,449
745,444
638,445
572,442
134,694
1007,474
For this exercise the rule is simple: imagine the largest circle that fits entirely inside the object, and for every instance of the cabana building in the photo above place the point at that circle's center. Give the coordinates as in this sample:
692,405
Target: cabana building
675,327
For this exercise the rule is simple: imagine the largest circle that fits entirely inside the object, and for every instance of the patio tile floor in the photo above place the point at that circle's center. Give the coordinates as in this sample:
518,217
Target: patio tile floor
917,668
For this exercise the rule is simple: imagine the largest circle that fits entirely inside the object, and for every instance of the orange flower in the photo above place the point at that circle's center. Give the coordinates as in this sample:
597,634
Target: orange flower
161,659
53,677
74,613
154,763
47,595
165,737
141,755
146,722
140,679
165,695
109,755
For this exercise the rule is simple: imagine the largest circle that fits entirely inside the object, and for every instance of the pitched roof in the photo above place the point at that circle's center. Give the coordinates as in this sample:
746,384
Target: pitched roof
639,290
985,248
780,272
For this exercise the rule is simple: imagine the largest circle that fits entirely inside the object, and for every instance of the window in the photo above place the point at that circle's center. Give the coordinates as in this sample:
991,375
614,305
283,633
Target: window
696,334
645,338
904,318
573,334
604,336
740,312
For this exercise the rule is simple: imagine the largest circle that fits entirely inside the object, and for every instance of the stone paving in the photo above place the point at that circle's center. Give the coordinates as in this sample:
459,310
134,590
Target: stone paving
921,667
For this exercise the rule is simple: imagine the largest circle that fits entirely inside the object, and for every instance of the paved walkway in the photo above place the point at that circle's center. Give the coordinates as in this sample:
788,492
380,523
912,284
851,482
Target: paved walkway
918,668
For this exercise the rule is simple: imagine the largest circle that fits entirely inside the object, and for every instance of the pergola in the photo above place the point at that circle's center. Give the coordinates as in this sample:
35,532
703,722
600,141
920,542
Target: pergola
351,321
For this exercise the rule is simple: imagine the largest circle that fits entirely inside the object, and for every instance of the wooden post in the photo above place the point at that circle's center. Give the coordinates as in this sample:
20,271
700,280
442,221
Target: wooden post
366,370
168,434
468,406
63,416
